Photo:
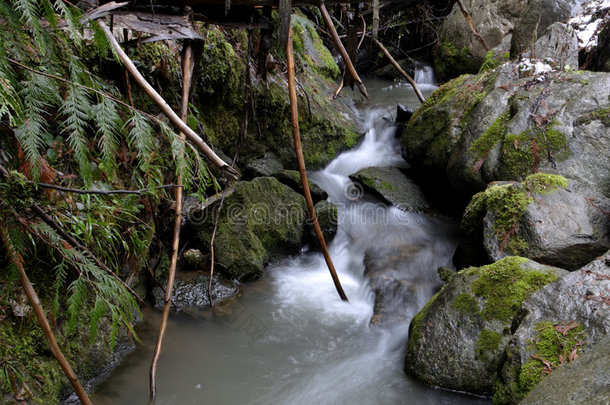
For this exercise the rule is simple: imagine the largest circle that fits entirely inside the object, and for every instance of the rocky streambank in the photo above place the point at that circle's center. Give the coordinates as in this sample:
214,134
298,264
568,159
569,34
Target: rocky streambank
523,139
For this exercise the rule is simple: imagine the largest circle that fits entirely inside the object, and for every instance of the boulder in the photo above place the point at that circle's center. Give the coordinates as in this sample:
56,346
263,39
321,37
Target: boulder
260,221
544,218
459,51
558,46
393,186
554,326
510,122
190,292
457,340
582,381
264,166
328,218
537,16
292,179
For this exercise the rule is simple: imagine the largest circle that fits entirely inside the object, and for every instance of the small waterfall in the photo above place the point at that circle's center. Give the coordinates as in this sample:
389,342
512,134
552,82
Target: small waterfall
424,75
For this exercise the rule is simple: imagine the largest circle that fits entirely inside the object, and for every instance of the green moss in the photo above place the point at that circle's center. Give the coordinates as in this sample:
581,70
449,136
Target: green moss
488,341
544,183
450,61
505,284
522,153
466,304
492,60
552,345
494,134
602,115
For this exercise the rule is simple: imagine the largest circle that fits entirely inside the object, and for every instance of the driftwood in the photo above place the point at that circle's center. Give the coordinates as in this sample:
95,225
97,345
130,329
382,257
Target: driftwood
294,115
471,25
187,73
348,62
167,110
402,72
160,26
15,258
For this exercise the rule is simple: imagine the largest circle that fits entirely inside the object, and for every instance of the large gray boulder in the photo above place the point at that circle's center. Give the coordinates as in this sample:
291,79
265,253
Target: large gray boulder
393,186
260,221
557,46
583,381
191,295
554,326
459,51
545,218
457,340
537,16
511,122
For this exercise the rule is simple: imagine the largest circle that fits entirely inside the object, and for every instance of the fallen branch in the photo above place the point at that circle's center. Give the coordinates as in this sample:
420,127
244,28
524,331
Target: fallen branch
15,258
402,72
187,72
348,62
294,115
471,25
167,110
102,192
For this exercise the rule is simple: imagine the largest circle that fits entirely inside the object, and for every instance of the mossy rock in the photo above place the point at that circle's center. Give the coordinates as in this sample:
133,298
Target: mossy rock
553,327
261,220
478,129
457,340
545,218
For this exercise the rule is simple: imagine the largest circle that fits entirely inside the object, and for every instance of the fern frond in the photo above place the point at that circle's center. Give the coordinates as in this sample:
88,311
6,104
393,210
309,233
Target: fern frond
77,109
30,16
72,16
141,137
108,124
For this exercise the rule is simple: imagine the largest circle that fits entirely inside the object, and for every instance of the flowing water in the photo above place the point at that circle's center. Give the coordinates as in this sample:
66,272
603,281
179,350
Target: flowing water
288,338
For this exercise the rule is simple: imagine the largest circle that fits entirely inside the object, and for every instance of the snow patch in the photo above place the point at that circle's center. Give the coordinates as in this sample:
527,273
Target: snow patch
588,22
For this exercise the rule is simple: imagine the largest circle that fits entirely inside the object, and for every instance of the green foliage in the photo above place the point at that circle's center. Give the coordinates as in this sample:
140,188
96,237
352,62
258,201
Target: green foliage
66,125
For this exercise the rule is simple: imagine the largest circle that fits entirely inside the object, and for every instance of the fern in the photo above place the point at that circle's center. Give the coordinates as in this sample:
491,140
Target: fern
31,17
108,132
77,110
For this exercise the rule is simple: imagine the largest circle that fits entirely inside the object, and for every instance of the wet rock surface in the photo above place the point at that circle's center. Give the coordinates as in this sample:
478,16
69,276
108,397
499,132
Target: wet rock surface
191,292
393,186
458,339
555,325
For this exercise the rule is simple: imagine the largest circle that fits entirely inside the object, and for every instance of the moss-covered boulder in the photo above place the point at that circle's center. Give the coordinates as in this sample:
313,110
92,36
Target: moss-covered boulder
510,122
554,326
459,51
457,340
545,218
261,220
392,185
220,102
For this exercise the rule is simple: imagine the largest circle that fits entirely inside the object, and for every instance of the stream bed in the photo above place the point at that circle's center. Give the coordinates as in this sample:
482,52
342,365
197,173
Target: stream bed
288,338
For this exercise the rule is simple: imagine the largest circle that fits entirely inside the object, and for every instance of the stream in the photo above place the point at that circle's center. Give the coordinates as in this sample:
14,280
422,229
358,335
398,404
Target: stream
288,338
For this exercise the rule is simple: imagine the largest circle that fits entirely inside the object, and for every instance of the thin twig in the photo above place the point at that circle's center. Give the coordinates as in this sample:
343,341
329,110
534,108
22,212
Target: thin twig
102,192
294,115
471,25
348,62
15,258
187,71
421,97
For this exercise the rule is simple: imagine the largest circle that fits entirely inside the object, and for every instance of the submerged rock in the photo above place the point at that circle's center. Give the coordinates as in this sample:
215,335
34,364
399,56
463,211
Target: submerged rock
393,186
545,218
260,221
553,327
457,340
191,292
